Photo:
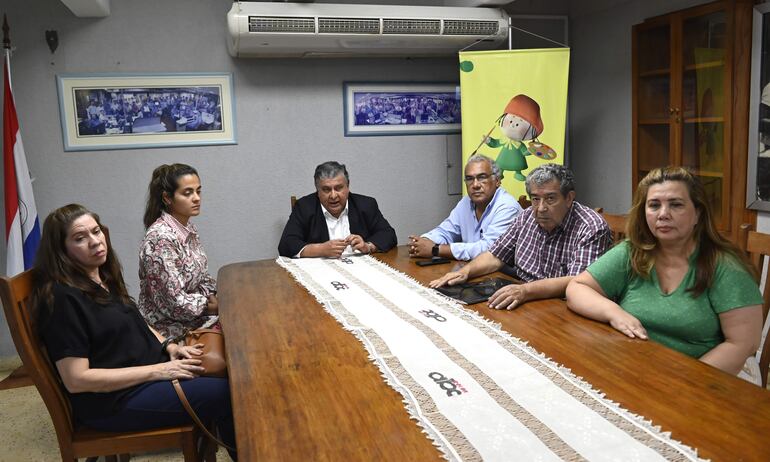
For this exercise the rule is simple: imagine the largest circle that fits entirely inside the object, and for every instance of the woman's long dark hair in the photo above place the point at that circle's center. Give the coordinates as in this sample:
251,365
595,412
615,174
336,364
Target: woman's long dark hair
712,245
165,179
53,265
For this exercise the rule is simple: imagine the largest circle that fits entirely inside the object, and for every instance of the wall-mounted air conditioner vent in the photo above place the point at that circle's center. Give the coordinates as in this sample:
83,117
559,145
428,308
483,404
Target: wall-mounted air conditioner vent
348,26
282,29
411,26
462,27
268,24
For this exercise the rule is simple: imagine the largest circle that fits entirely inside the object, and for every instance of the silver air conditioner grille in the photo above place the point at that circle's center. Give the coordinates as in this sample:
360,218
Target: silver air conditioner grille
348,26
463,27
278,24
411,26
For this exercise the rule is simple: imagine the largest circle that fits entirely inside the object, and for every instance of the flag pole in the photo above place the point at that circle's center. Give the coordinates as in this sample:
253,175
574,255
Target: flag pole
7,47
21,375
22,226
6,35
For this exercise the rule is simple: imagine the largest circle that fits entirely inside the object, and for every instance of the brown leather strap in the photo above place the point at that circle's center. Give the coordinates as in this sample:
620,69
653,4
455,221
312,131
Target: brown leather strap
191,411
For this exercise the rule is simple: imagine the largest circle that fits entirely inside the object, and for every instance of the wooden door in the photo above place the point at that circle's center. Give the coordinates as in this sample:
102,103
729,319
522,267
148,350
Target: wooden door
690,101
705,76
654,136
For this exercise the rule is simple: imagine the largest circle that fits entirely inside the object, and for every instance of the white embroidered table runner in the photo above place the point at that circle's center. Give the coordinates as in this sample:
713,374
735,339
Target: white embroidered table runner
478,392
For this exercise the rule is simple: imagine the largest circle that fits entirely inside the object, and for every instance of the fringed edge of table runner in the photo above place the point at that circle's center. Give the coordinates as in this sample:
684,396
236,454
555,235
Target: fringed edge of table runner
685,452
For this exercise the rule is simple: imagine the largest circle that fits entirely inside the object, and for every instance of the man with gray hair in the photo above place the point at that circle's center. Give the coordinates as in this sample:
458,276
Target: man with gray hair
546,245
476,221
333,222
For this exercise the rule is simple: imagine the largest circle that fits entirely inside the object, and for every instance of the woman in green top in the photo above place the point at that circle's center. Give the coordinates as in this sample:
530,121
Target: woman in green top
675,279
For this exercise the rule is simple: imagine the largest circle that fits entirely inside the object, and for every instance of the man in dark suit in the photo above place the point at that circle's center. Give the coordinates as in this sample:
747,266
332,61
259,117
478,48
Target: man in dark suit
333,221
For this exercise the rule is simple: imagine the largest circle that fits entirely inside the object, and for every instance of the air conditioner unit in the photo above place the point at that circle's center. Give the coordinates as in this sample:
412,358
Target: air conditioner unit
303,30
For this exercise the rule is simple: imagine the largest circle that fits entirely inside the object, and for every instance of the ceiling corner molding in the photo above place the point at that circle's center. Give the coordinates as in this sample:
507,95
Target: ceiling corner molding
88,8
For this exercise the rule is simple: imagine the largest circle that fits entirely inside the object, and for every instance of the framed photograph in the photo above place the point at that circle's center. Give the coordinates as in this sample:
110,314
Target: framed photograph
758,175
118,111
389,108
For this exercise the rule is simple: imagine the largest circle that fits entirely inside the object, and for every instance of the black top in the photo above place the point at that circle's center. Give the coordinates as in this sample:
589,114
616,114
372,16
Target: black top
307,224
110,336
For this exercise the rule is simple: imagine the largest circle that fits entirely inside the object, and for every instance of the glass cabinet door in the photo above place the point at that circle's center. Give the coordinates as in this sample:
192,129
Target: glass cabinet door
705,97
653,98
688,101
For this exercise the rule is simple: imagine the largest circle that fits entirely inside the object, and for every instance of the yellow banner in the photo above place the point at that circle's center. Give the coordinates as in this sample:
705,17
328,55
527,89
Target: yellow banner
514,109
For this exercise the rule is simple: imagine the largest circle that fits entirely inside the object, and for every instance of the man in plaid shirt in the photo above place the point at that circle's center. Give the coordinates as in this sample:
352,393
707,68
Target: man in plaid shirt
546,245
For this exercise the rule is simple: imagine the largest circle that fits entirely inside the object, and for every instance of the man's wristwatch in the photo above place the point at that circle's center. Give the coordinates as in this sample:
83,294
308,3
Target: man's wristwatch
434,251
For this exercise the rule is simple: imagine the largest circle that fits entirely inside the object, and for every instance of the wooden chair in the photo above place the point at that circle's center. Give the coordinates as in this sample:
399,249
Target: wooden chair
617,224
293,201
18,378
757,246
524,202
77,442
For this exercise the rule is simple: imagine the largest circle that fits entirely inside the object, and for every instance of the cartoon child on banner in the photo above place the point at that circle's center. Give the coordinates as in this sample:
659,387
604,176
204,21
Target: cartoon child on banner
520,122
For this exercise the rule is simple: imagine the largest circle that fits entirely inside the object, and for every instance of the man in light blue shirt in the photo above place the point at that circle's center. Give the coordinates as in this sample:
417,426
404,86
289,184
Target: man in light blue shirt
476,221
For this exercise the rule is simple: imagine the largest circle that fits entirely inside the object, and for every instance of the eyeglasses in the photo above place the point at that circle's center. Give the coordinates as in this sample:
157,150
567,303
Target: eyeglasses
481,178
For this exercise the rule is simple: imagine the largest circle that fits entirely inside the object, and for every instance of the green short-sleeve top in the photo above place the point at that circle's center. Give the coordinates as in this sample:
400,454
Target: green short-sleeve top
677,320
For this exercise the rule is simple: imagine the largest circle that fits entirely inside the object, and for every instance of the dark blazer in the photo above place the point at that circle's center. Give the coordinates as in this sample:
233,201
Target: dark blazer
307,224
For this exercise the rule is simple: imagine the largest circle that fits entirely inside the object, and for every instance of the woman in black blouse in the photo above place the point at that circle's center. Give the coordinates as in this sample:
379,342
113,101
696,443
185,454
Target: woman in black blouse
116,369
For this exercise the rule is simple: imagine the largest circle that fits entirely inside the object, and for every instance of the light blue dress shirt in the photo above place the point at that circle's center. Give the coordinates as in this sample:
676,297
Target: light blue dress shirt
468,237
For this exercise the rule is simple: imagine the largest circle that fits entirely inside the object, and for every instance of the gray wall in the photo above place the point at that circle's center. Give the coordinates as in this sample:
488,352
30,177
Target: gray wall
289,119
600,96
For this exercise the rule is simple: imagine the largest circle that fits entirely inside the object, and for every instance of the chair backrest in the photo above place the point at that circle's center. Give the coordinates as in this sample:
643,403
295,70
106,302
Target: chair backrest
22,322
617,224
524,202
757,246
293,200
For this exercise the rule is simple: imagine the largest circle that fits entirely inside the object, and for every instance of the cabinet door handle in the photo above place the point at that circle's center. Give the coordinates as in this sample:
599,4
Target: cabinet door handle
670,110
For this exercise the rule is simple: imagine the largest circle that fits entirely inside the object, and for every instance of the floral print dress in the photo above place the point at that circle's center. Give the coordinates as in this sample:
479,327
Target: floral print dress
174,283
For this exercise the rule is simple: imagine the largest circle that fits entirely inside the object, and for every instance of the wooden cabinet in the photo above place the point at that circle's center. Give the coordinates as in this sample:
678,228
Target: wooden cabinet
687,73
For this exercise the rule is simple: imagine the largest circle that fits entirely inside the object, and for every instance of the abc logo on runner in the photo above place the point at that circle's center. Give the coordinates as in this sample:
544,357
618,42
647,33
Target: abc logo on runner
451,386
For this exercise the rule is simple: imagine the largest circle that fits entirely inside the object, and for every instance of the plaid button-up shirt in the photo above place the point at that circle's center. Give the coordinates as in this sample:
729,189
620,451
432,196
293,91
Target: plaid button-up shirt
567,250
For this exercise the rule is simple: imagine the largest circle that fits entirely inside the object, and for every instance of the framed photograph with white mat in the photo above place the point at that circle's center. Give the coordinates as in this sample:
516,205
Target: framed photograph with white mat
393,108
124,111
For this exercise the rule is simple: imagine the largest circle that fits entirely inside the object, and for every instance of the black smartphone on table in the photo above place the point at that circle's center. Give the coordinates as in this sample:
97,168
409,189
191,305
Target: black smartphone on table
432,261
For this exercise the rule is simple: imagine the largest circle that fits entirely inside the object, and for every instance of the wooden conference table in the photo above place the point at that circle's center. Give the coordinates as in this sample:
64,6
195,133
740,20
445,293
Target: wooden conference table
304,389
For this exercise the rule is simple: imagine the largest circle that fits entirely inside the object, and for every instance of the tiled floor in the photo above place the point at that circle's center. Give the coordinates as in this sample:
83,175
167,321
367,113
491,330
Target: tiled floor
26,431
